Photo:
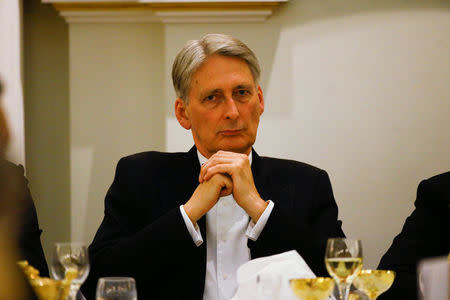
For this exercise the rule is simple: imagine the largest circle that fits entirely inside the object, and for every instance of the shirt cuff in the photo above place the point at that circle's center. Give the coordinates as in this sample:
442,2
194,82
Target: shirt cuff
194,231
254,230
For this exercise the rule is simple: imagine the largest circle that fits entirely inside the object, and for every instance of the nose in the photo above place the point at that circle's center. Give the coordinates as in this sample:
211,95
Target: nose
231,110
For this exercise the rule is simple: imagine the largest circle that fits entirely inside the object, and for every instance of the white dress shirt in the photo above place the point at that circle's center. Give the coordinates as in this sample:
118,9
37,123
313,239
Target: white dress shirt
227,230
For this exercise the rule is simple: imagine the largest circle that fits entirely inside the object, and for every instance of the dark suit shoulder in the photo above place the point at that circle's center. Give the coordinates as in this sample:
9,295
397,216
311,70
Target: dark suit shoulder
12,178
151,162
434,192
439,182
152,157
290,174
440,178
11,169
290,167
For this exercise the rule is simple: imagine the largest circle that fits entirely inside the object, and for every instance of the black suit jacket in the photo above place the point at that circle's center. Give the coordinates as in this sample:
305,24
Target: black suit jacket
143,233
14,187
424,234
12,178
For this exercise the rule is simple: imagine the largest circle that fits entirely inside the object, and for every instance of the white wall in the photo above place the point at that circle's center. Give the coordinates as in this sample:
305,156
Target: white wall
46,99
358,88
115,110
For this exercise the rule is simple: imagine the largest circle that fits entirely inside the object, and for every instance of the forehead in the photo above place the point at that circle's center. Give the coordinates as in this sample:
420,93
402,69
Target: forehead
220,70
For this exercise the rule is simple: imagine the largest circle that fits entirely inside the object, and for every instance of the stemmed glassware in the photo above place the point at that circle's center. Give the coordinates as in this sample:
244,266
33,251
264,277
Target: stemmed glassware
374,282
343,259
116,288
70,260
318,288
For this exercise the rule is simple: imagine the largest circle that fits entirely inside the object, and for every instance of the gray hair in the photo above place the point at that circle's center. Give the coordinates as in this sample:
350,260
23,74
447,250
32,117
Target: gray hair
196,52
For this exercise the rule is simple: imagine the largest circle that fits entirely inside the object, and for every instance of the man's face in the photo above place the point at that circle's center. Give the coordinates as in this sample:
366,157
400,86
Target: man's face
224,106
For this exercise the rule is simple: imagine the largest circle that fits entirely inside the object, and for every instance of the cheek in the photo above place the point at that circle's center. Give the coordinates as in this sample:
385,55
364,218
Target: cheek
255,114
204,122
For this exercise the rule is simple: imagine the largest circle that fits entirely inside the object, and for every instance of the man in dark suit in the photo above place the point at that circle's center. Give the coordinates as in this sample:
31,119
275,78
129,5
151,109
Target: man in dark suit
161,206
424,234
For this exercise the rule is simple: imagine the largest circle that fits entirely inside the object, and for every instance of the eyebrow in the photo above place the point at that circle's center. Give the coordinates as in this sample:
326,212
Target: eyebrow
220,91
210,92
243,86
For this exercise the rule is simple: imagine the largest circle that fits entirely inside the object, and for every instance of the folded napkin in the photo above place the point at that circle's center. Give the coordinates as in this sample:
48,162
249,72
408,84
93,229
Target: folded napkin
274,273
434,278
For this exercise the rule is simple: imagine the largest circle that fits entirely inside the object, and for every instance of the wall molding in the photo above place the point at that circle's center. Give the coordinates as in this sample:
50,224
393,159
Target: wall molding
170,11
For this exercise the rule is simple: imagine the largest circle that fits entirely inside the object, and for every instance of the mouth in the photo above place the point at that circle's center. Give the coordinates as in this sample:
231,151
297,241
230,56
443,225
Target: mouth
231,132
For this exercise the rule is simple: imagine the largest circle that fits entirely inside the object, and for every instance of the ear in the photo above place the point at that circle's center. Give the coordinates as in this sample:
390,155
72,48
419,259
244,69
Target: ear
261,99
182,113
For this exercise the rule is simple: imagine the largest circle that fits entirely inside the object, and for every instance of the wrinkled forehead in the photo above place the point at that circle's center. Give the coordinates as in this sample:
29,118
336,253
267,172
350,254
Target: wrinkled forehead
210,70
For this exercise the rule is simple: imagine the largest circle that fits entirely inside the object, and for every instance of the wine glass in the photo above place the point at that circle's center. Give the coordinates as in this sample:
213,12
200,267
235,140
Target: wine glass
374,282
318,288
70,260
357,295
116,288
268,286
343,259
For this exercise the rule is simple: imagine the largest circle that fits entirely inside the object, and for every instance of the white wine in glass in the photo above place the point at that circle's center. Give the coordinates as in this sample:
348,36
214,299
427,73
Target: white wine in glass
343,259
70,259
374,282
318,288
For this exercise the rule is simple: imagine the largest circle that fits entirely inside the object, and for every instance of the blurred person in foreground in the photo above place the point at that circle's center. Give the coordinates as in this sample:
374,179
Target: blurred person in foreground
12,284
182,223
18,220
425,234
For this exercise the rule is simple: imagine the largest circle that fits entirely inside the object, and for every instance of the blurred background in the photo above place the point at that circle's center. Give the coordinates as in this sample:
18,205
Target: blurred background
358,88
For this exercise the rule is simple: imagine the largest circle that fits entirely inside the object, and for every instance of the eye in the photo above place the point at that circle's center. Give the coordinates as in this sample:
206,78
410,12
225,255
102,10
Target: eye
241,94
210,98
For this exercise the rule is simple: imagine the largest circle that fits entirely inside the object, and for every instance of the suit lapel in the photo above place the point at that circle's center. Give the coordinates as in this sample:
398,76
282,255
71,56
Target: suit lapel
193,182
260,176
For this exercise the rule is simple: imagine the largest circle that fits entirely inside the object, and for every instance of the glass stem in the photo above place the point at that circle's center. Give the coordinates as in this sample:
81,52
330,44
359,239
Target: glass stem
74,288
344,288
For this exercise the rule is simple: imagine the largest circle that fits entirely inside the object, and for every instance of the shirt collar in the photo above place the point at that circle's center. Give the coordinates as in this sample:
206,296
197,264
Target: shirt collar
203,159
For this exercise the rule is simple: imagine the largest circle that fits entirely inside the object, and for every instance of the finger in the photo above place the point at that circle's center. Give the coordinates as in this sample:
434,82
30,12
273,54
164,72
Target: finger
218,169
203,169
230,154
229,166
219,158
227,189
202,172
211,163
230,157
215,159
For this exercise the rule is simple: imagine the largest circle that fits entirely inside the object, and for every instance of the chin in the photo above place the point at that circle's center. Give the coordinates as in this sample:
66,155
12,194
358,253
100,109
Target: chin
238,148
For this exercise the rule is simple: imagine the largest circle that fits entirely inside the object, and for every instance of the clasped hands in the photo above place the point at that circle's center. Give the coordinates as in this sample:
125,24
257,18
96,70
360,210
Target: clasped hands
223,174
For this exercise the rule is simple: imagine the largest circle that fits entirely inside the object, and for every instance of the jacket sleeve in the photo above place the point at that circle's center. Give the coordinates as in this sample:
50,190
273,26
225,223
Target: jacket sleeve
124,247
29,232
30,239
424,234
302,221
